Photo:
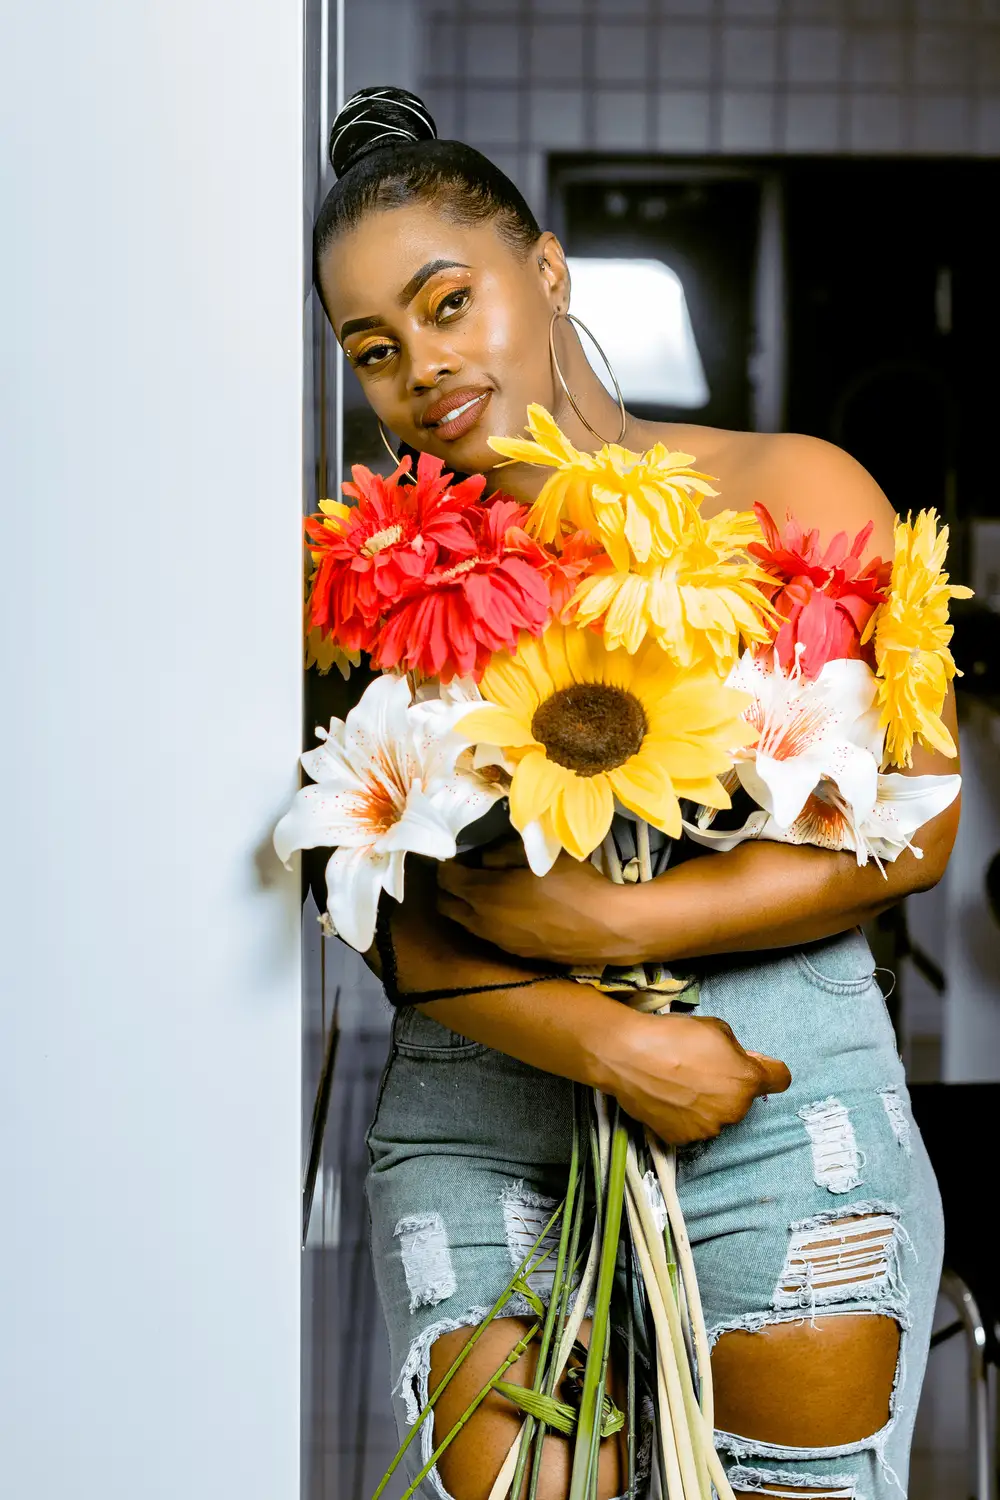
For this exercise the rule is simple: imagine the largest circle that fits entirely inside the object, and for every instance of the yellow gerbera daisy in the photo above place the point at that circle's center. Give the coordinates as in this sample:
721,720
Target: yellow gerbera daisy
912,633
322,652
632,502
699,603
583,725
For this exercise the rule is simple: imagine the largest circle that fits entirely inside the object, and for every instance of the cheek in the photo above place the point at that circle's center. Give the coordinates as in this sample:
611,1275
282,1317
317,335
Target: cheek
517,360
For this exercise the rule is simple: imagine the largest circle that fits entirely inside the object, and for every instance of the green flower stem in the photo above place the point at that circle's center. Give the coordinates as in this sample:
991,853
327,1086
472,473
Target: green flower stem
685,1417
555,1297
525,1269
473,1406
593,1389
584,1290
561,1293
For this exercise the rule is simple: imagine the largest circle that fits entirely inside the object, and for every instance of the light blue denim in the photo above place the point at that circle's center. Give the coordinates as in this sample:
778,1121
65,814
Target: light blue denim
468,1148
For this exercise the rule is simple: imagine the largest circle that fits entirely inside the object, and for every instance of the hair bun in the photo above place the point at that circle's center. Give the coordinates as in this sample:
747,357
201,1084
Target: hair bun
374,118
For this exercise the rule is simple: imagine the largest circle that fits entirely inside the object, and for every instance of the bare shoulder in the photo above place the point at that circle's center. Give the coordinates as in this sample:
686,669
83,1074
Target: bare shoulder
815,481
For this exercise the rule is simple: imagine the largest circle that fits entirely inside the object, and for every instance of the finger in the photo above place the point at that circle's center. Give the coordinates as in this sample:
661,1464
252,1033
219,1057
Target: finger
506,856
460,879
456,909
774,1076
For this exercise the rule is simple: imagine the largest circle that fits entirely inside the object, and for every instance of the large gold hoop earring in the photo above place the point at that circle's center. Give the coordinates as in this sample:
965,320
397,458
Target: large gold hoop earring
562,379
391,450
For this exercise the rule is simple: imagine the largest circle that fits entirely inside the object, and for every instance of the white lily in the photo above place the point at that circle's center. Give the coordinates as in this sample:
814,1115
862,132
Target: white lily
387,783
904,804
808,732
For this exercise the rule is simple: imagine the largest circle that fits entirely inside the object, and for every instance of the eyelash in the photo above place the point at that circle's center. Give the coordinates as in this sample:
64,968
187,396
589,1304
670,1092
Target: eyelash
365,361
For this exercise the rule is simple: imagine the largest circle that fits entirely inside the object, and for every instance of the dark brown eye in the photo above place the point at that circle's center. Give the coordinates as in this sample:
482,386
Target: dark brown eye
373,354
455,302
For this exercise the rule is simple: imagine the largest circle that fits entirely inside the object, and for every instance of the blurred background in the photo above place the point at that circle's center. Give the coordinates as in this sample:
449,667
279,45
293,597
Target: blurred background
804,192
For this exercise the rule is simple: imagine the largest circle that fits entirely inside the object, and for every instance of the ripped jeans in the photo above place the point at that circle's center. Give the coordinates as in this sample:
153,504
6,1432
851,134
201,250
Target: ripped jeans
469,1151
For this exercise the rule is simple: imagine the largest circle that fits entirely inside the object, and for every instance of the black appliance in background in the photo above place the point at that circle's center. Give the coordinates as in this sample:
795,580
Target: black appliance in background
705,224
861,292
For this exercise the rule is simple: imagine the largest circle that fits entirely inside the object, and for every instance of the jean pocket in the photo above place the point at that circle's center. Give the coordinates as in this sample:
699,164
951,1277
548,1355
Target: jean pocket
841,965
417,1035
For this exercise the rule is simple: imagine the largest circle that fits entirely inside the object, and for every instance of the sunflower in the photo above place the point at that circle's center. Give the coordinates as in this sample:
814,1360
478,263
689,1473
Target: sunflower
583,725
911,633
633,502
699,603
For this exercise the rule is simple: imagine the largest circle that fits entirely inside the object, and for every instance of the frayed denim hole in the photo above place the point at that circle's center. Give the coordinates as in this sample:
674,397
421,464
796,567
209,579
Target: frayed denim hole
426,1257
414,1380
843,1256
776,1483
899,1120
837,1162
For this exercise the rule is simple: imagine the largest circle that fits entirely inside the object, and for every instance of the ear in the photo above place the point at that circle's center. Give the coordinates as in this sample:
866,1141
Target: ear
551,261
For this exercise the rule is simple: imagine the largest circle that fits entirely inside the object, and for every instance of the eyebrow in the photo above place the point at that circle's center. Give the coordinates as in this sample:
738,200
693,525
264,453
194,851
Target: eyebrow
425,273
358,325
406,296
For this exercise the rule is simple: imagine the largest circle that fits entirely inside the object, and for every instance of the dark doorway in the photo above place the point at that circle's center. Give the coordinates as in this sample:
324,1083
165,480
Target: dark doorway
705,227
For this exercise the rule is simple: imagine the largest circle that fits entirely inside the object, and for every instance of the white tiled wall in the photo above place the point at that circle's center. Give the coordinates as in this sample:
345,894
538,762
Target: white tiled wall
520,77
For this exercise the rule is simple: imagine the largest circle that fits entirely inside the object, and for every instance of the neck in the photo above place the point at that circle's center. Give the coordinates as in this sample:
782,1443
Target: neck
601,410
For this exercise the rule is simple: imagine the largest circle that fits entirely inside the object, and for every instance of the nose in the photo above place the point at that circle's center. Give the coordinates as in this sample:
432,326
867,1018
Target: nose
429,364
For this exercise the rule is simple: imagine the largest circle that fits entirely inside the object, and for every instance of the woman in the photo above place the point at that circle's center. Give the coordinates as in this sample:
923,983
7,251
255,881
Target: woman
805,1172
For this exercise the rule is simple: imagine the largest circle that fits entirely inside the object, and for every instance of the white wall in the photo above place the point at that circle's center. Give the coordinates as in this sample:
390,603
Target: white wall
150,488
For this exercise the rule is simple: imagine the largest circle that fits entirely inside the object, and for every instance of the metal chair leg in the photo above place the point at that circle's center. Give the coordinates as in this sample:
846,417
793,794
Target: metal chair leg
981,1457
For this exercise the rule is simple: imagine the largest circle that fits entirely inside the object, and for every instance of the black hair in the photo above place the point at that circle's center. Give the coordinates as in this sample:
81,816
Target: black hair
385,152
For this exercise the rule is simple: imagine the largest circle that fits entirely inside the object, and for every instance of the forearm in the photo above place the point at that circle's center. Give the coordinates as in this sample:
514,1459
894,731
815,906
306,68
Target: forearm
553,1024
769,895
684,1077
761,895
558,1026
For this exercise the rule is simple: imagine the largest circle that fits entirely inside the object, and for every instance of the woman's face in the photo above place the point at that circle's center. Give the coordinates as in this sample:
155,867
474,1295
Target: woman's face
445,326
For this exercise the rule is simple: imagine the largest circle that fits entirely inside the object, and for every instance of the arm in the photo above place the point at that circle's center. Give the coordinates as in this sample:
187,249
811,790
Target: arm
684,1076
761,895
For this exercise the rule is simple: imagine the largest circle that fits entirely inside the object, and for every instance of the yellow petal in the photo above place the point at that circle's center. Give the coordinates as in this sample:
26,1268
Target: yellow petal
522,450
647,791
336,512
507,682
535,788
710,792
626,620
490,725
583,814
686,760
546,430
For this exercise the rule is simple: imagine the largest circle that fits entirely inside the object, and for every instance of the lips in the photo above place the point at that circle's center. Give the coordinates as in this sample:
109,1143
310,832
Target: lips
455,414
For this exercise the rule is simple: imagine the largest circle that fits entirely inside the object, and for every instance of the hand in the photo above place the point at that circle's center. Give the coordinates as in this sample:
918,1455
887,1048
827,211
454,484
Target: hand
572,915
687,1076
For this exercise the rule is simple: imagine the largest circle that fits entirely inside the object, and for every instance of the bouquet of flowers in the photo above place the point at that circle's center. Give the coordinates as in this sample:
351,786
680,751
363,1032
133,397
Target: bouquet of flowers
605,659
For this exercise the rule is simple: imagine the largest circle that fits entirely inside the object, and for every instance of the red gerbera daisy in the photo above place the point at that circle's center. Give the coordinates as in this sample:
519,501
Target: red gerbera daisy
581,554
452,618
825,598
395,533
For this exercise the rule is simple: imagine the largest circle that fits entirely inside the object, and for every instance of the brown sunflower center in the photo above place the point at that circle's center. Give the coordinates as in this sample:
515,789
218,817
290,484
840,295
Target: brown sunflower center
590,727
